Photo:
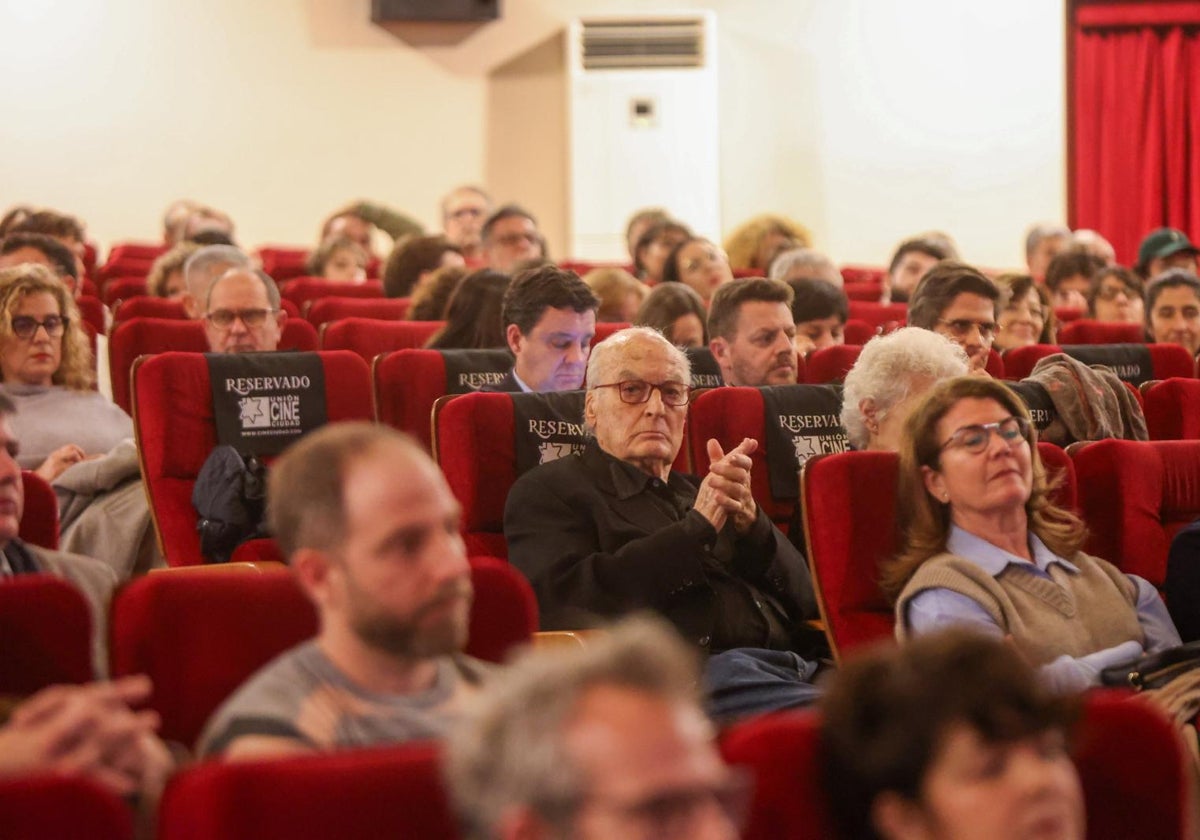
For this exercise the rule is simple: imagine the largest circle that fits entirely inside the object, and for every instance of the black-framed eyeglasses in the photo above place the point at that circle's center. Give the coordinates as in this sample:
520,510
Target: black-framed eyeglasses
974,439
961,327
26,326
637,391
252,318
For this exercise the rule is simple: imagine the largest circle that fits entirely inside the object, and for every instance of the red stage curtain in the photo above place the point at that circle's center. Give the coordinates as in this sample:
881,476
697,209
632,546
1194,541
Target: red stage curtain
1136,120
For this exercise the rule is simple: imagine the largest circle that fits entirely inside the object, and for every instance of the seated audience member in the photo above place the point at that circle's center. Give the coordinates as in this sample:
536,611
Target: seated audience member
200,271
957,301
511,236
1068,277
1173,309
370,530
699,264
66,229
752,334
606,741
950,737
473,319
676,311
243,313
96,580
984,547
1182,585
805,264
1091,242
70,434
911,260
338,258
18,248
757,241
165,279
654,247
614,529
890,378
414,260
619,292
819,310
1043,242
549,320
464,210
430,299
1027,317
1165,248
639,223
1116,294
359,220
90,731
204,221
174,218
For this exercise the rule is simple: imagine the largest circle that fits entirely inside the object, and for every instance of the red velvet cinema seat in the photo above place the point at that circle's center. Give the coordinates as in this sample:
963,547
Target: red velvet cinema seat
199,633
1166,360
1134,497
304,290
830,364
849,506
62,808
147,336
1087,331
39,519
47,627
1131,763
377,794
1173,409
326,309
371,337
173,419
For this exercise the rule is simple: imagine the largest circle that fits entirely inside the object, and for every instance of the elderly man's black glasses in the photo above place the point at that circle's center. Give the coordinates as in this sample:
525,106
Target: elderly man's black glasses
25,327
637,391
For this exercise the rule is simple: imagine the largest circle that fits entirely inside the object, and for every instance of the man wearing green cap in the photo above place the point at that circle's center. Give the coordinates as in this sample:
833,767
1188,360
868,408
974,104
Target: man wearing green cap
1165,248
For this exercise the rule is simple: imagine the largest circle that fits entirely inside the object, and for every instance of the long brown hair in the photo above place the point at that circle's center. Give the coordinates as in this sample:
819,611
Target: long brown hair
924,522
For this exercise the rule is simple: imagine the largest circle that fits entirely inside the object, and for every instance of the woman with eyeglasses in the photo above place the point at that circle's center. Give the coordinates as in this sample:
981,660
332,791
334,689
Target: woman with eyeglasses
986,548
1116,294
47,371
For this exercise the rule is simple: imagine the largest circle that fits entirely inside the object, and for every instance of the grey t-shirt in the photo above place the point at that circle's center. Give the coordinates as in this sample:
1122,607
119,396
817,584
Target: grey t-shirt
302,695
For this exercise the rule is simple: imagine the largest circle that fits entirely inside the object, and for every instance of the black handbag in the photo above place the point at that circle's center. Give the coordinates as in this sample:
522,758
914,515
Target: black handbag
1155,669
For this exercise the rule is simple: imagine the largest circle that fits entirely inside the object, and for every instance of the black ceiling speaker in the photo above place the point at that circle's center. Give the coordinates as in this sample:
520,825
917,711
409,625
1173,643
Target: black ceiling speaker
406,11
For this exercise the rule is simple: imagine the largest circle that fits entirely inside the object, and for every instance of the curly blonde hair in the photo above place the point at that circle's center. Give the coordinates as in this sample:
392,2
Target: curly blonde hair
75,370
743,243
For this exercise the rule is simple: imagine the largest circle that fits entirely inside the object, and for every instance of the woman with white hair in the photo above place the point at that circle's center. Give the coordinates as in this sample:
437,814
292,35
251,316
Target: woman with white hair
891,375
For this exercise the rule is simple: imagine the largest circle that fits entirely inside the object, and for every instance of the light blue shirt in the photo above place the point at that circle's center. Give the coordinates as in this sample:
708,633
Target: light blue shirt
936,609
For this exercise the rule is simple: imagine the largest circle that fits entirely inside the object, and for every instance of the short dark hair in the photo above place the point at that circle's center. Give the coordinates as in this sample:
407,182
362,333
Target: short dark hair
535,290
1126,278
667,303
410,257
654,232
813,299
727,302
941,285
920,244
508,211
59,254
211,236
886,712
1172,278
473,313
50,223
1068,264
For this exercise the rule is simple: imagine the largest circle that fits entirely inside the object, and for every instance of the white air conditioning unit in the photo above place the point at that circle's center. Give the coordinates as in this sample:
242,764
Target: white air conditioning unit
643,126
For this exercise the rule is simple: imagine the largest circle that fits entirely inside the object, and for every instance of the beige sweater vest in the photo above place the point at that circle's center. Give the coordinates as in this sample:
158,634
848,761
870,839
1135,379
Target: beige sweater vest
1072,614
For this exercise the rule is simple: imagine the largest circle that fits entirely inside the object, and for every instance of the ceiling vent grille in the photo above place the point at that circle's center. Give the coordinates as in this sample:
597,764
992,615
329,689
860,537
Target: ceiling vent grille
644,44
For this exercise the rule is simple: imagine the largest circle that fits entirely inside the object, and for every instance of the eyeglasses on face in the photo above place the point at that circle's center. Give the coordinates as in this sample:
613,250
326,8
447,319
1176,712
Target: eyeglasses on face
637,391
26,326
961,327
974,439
252,318
1111,292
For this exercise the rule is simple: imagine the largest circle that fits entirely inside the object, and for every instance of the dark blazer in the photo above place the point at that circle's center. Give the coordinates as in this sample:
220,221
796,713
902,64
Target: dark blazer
594,546
506,385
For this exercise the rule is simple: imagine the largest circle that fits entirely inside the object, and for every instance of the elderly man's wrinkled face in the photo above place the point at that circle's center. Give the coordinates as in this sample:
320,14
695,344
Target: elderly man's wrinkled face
648,434
240,318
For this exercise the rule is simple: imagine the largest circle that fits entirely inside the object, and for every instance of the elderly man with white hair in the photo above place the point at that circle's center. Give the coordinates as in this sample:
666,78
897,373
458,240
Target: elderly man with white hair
805,264
892,374
615,529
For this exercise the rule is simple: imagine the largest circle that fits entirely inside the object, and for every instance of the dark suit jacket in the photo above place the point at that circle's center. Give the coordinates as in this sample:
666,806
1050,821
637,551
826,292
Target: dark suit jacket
506,385
595,547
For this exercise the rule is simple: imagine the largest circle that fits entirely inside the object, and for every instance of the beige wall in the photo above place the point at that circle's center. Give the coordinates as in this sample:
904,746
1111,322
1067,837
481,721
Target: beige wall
865,119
